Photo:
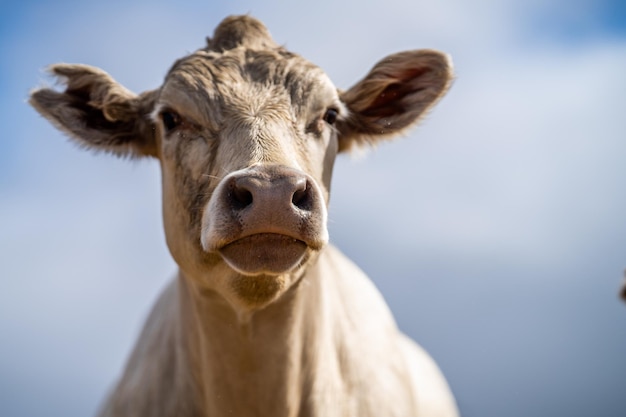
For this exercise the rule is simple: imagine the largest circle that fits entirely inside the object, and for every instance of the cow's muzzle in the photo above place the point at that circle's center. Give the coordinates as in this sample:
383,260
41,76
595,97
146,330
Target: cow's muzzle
265,219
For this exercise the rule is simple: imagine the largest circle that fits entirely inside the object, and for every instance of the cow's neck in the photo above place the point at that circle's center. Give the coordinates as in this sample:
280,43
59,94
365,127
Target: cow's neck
262,361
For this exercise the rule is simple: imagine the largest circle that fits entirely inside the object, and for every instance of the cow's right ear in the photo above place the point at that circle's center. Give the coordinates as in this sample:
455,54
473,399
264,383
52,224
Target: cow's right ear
98,112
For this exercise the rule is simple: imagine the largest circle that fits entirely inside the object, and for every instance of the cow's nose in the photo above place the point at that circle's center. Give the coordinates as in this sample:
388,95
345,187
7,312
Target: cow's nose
265,203
276,189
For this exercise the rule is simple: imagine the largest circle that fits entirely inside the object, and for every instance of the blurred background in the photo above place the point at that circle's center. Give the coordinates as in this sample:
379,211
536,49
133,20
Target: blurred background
496,230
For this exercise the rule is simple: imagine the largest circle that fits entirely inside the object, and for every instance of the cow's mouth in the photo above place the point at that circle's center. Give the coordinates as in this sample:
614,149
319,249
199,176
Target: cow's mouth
264,253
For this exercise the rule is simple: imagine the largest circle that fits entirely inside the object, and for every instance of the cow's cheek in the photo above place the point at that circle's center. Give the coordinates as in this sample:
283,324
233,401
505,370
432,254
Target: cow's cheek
321,154
173,222
186,184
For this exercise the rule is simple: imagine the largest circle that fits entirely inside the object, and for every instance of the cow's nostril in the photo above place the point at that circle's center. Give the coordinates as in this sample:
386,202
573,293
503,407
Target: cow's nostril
240,197
302,197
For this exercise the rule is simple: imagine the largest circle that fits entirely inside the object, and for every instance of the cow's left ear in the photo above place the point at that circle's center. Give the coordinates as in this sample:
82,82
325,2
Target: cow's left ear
98,112
393,96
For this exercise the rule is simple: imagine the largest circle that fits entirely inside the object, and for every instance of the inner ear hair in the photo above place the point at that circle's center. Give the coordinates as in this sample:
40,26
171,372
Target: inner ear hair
98,112
394,95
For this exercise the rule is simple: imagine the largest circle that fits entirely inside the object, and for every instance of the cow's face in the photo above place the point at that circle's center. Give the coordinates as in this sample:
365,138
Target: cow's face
247,143
246,134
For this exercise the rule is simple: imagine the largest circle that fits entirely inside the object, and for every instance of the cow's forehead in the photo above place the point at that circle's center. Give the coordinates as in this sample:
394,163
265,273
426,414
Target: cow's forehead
219,80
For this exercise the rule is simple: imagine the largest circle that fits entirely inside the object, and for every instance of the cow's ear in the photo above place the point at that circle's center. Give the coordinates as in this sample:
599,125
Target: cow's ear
98,112
393,96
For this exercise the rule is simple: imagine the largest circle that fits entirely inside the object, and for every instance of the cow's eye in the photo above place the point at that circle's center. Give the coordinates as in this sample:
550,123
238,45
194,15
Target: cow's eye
170,119
330,116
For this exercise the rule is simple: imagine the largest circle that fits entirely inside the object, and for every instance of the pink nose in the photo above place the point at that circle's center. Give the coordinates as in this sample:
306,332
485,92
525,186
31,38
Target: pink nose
266,199
276,190
265,219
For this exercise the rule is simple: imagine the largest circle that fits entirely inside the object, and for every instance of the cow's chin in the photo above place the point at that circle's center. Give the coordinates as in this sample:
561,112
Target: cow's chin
264,254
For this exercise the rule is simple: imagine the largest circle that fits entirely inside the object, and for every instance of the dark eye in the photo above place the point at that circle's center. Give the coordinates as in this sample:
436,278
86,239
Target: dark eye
170,119
330,116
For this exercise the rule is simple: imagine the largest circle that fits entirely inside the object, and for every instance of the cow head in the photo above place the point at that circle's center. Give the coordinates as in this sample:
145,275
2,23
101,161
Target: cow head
246,134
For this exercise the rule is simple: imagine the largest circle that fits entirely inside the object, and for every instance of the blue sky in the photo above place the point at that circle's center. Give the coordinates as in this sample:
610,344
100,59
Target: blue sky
580,20
503,255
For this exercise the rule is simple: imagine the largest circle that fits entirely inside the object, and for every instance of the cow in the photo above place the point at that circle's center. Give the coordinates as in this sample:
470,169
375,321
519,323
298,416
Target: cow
265,317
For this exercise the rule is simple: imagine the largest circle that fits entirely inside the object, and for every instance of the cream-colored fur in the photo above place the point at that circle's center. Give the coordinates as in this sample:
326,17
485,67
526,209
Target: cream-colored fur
264,318
329,347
